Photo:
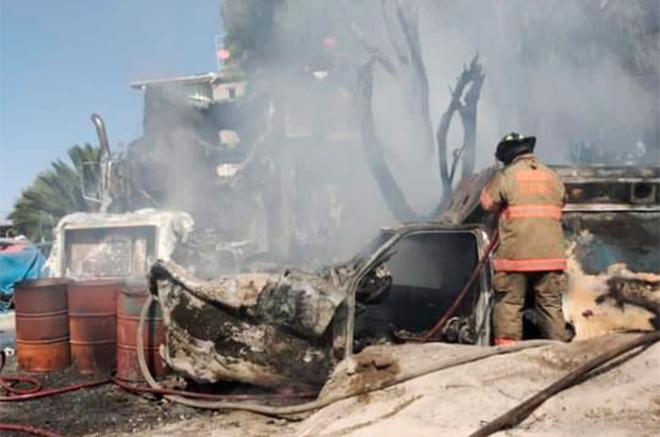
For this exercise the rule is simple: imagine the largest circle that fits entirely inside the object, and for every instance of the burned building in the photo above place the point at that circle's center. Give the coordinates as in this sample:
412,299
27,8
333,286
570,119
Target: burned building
261,185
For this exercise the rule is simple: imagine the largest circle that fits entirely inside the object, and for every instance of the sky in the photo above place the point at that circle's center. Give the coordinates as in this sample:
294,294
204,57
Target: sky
61,61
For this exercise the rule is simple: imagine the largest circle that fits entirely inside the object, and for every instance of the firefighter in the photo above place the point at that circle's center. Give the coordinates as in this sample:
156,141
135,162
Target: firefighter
528,196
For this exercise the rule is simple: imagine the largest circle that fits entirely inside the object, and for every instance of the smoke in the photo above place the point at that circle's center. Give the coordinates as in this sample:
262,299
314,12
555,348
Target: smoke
575,73
557,69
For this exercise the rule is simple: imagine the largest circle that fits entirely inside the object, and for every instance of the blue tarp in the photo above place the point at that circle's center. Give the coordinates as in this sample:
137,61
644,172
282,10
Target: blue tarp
16,267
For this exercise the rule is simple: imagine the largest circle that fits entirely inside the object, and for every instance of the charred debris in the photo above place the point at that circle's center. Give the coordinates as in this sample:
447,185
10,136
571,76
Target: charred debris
229,186
247,327
233,312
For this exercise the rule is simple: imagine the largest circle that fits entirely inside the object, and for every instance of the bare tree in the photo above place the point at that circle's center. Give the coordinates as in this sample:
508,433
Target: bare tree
389,187
464,100
402,26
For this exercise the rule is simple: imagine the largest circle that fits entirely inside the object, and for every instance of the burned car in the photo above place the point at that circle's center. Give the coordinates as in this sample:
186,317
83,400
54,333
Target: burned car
292,327
267,329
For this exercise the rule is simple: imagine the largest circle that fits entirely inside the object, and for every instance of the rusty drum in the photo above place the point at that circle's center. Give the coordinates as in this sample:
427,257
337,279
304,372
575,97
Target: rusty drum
129,305
93,324
42,327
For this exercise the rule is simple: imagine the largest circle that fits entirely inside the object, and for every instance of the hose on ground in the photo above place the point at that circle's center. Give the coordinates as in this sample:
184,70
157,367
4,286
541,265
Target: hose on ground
35,389
319,403
208,396
52,391
28,430
7,383
494,240
521,411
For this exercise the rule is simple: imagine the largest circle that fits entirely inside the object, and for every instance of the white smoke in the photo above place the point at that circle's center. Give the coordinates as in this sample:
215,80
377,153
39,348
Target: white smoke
553,69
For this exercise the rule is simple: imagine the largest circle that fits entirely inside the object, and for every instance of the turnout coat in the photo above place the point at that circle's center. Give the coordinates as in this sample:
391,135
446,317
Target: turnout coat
529,197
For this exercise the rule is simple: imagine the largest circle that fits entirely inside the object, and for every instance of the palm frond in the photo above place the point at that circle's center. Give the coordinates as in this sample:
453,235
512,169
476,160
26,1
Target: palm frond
56,192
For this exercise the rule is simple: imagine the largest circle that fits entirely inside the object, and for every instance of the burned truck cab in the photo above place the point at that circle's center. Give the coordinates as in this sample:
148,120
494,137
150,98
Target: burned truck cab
410,275
612,228
612,215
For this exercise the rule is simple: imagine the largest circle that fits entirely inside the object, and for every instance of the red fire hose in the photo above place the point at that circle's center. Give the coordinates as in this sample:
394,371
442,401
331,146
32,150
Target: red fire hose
34,389
7,382
52,391
28,430
475,274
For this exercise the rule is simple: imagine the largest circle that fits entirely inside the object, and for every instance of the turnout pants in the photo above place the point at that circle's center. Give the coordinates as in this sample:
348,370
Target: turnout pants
510,291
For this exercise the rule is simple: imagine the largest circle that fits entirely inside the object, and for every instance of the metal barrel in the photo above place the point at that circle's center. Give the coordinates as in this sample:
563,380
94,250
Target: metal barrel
42,326
93,324
129,305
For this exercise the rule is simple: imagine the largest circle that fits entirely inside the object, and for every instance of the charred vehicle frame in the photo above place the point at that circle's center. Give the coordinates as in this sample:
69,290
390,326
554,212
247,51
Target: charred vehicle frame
398,286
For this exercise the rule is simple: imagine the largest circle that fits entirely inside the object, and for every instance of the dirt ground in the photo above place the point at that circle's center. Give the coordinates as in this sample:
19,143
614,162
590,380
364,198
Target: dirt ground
623,401
620,399
110,410
230,424
106,409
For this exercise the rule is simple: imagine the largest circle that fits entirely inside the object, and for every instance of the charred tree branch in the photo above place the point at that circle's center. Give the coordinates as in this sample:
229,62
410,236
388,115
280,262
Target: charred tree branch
418,83
443,131
393,34
374,52
392,193
407,17
468,113
465,103
456,157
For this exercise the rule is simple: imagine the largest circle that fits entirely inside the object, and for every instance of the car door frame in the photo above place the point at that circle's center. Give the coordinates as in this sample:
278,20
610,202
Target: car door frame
483,308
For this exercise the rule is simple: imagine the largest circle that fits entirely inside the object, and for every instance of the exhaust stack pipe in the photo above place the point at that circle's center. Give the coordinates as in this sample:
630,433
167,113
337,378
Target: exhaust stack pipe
105,163
103,136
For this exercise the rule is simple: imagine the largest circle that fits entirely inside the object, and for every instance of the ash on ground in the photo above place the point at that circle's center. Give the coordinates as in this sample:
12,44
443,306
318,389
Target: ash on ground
103,409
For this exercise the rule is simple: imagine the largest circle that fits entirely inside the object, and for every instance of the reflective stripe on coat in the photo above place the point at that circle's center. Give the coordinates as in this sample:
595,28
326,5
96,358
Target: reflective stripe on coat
529,197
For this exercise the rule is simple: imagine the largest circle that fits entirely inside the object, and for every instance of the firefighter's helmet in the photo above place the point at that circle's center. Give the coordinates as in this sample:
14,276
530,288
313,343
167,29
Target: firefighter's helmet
512,145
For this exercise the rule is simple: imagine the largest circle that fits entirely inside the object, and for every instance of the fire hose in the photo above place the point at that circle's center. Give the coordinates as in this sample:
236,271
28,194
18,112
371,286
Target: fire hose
521,411
461,295
7,383
509,419
283,411
208,401
35,389
208,396
28,430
